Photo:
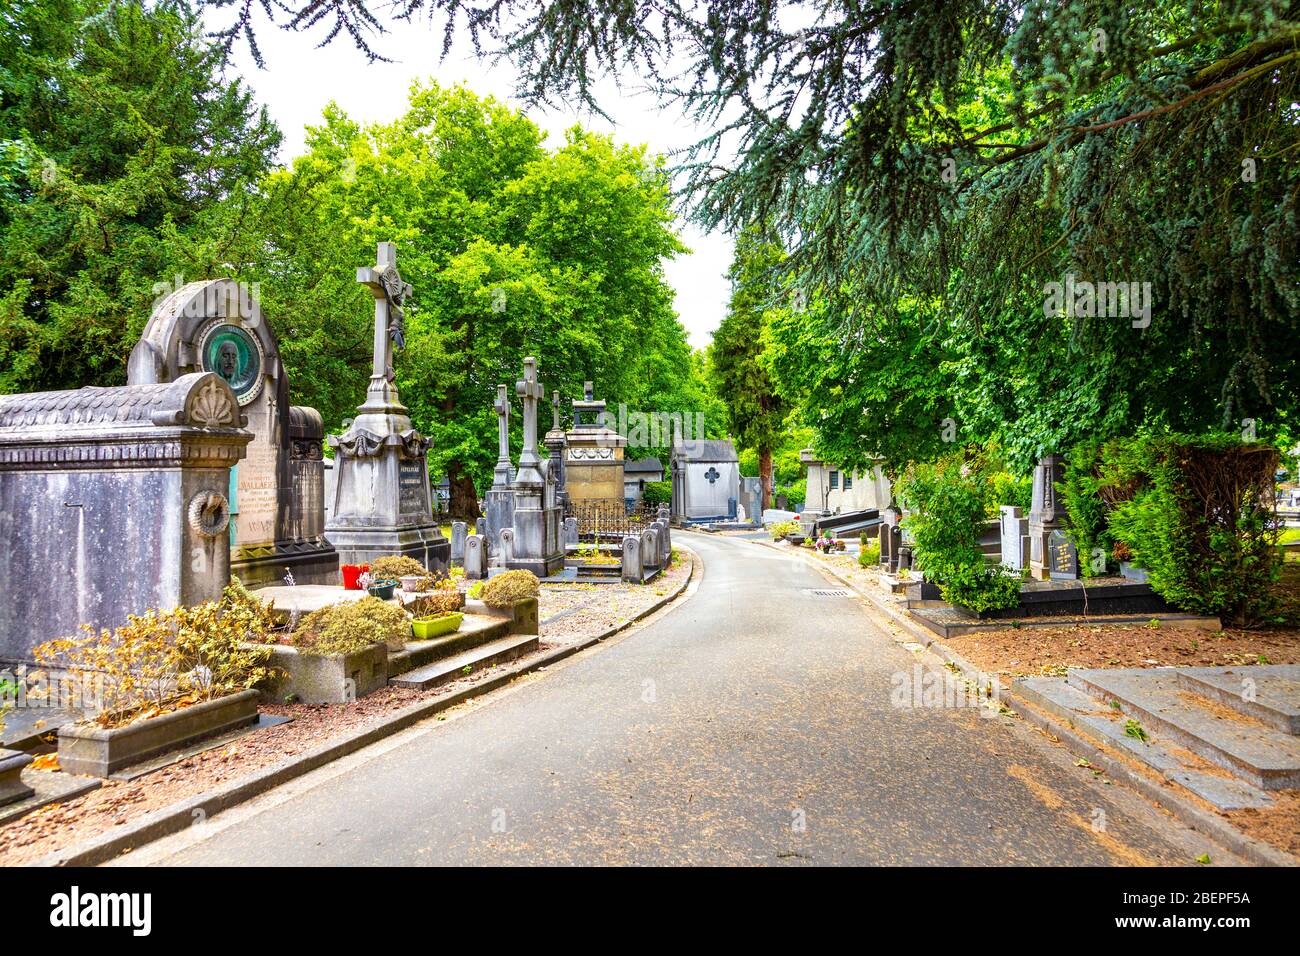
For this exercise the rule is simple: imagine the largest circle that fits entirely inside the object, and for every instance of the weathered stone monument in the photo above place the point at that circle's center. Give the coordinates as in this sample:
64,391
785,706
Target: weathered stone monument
537,544
557,443
278,493
593,469
499,502
113,501
1045,515
1014,530
381,500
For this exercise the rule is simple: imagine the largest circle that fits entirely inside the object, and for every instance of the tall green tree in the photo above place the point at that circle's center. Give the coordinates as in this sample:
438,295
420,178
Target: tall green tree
118,132
756,413
962,155
513,249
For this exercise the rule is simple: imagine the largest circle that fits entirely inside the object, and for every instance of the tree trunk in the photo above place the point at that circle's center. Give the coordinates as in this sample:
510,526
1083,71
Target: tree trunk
464,497
765,476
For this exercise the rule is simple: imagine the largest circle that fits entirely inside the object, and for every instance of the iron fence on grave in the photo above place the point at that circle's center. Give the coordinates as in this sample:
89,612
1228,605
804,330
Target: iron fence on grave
606,519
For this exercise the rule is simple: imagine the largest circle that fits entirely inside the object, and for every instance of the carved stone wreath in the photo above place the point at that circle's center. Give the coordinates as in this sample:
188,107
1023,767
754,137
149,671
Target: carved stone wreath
208,513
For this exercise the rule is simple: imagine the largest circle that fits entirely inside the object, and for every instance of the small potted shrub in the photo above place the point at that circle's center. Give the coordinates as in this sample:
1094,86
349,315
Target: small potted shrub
436,614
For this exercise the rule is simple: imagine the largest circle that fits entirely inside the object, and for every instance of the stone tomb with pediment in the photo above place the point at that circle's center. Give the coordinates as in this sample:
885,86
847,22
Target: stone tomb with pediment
112,501
277,492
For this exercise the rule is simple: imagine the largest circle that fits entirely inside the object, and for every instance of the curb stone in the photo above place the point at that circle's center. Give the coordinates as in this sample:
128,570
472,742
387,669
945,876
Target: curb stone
175,818
1203,821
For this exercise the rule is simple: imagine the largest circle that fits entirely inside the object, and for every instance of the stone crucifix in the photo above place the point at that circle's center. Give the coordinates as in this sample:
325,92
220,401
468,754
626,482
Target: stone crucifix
531,391
555,410
390,294
502,472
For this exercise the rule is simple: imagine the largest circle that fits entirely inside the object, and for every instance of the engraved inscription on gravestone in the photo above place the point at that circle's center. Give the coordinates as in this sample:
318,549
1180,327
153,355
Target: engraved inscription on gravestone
410,487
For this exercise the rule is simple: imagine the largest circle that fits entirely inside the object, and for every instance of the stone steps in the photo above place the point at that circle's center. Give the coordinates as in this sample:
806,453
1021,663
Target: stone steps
474,630
483,655
1273,697
1104,726
1162,702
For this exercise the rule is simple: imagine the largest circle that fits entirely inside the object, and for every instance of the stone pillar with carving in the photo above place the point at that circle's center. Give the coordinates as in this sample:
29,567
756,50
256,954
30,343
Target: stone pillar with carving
1046,516
537,541
382,502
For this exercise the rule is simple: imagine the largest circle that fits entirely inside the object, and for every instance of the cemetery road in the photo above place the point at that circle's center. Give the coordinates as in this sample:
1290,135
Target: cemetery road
751,724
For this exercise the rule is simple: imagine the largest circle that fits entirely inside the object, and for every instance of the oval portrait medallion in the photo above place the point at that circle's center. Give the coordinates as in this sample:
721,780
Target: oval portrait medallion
236,355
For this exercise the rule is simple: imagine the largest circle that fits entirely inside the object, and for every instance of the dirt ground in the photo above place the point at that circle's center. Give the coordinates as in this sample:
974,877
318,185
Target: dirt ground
592,609
1031,651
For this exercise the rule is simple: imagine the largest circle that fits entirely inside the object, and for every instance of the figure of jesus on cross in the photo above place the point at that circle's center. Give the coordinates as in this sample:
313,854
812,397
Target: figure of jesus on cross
390,294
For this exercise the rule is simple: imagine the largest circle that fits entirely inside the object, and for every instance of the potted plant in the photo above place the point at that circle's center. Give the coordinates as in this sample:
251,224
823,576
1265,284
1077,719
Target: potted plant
425,628
382,589
413,583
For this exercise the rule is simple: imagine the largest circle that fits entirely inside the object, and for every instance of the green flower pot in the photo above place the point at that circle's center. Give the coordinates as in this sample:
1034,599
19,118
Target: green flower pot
382,590
430,627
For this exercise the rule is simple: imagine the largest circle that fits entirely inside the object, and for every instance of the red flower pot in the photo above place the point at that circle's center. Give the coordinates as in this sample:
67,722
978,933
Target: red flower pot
352,575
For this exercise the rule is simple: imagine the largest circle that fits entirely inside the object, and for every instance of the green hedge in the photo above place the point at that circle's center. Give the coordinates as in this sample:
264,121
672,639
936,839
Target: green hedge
658,492
1195,511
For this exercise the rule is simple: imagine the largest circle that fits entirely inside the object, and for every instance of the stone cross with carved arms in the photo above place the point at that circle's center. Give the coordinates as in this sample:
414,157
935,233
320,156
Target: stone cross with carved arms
390,294
502,471
531,391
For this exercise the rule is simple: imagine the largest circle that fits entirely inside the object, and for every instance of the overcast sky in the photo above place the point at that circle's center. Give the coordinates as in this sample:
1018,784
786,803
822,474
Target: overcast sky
300,79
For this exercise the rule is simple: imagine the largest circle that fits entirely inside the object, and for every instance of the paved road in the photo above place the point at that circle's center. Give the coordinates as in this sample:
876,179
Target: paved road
751,724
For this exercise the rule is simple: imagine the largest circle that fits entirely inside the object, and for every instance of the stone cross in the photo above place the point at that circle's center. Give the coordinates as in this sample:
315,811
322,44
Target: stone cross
555,410
390,294
502,405
531,391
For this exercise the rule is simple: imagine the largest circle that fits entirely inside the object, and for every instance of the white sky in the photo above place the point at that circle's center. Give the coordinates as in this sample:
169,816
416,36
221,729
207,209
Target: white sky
301,79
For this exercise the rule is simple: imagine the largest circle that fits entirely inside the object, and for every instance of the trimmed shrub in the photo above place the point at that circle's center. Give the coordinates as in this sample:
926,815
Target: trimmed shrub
392,567
352,626
869,556
508,588
980,588
1197,513
657,493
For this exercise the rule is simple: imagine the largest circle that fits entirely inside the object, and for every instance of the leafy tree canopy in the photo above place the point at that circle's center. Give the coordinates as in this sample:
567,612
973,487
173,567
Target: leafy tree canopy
932,167
118,131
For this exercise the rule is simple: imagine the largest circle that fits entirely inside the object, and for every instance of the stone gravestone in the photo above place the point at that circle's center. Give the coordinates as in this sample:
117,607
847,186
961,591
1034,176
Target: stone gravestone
277,498
507,539
459,532
1045,516
632,569
382,503
537,545
1063,557
113,501
476,558
649,549
480,526
571,531
1015,536
499,502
